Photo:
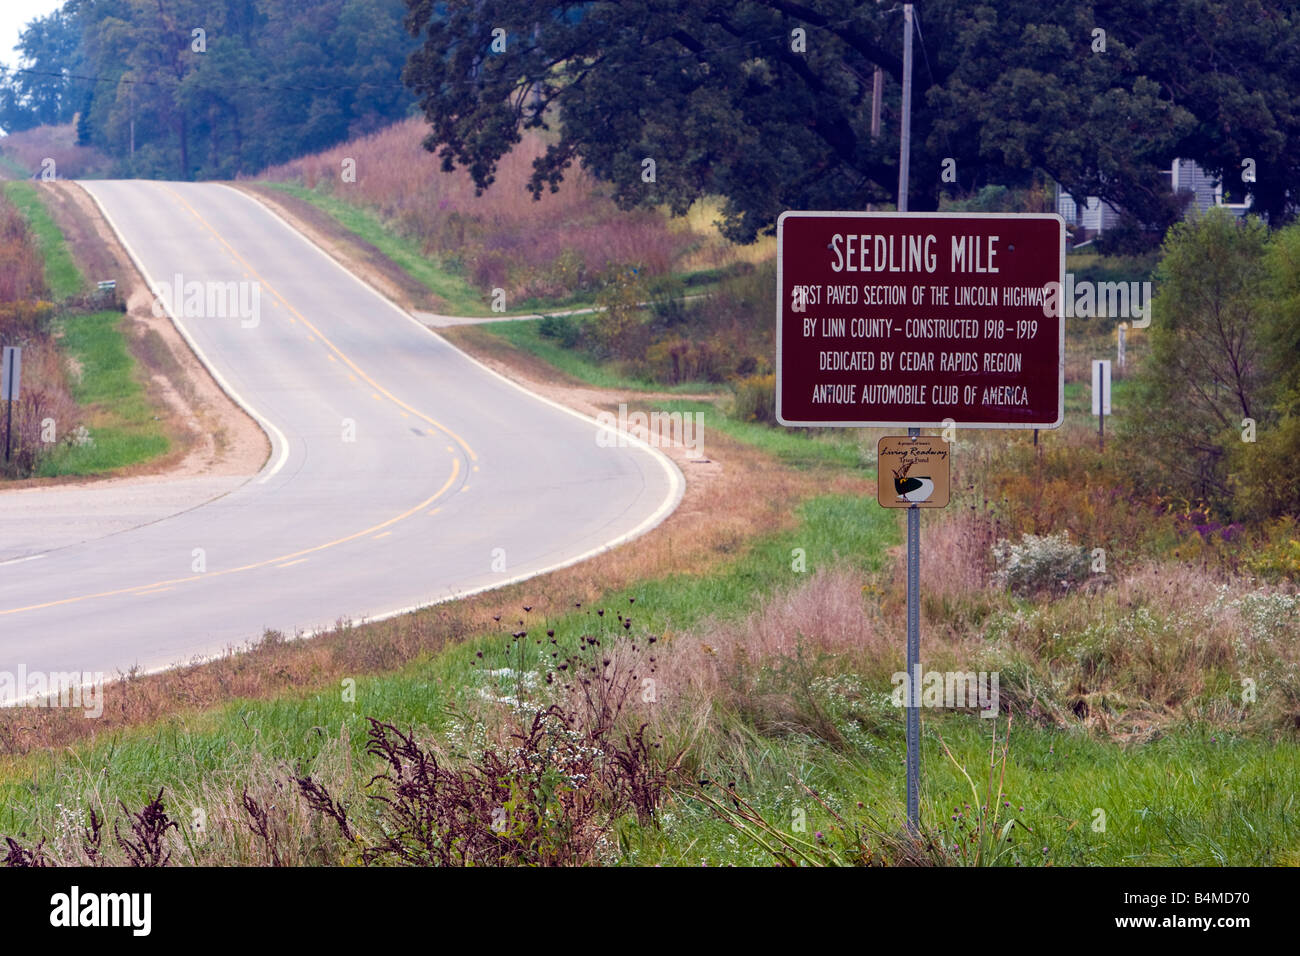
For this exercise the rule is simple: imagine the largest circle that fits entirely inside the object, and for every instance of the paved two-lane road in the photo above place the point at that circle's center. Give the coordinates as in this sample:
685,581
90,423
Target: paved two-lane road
401,471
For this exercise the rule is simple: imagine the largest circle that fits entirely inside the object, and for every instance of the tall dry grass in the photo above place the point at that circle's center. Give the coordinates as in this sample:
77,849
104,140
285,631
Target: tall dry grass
22,275
1128,652
25,319
33,147
503,237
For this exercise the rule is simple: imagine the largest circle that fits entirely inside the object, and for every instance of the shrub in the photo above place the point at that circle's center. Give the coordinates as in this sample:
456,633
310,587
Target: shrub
562,328
1280,557
1040,563
550,795
1209,366
755,399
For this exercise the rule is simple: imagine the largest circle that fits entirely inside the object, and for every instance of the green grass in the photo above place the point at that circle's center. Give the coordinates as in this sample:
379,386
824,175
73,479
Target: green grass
1078,400
15,169
61,273
523,334
800,447
123,429
1091,266
1188,799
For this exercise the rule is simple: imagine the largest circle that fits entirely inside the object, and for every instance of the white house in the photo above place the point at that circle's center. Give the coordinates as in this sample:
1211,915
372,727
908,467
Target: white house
1095,216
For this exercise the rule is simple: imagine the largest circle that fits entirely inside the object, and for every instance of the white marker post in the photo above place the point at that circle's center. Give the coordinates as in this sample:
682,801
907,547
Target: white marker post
1120,356
1101,397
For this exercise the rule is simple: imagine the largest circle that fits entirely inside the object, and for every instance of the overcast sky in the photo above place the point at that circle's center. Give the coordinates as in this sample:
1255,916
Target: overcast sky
14,15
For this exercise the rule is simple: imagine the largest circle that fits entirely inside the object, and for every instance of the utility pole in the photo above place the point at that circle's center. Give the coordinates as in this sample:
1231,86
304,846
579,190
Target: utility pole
905,143
877,87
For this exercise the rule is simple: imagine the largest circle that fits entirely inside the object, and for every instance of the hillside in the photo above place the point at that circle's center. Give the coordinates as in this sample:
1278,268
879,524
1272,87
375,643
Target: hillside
557,246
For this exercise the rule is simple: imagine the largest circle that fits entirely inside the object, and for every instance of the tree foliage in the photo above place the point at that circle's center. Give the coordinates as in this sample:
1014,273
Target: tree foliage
265,81
50,46
1216,418
768,102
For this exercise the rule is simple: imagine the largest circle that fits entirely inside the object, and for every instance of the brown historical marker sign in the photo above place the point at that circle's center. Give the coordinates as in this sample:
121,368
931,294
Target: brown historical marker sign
913,471
911,319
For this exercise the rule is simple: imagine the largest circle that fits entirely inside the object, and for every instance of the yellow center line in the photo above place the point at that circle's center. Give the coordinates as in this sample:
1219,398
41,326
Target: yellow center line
330,345
289,564
384,535
154,591
455,471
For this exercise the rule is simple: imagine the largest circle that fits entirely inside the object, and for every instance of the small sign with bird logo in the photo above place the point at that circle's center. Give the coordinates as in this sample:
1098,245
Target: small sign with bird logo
913,472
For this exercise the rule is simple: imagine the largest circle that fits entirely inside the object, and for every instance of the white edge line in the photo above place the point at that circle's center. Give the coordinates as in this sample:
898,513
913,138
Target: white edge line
273,434
677,482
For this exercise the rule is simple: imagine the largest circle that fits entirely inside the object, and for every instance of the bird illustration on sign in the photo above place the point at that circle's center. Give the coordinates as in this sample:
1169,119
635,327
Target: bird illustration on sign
911,488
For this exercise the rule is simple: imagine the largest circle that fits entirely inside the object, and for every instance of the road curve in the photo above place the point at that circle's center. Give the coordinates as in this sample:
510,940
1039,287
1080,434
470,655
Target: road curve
402,472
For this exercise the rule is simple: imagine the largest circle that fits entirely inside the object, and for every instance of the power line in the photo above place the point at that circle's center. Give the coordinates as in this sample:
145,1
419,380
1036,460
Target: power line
139,81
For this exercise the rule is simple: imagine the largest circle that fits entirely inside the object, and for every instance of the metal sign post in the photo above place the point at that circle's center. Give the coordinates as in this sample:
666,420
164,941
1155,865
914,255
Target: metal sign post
913,664
11,367
913,473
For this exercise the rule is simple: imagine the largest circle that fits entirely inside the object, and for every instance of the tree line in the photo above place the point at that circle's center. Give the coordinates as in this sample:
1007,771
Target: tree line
210,88
770,104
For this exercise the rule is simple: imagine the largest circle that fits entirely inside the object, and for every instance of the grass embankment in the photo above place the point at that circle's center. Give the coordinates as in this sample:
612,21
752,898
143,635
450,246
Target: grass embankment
11,168
62,276
461,297
119,418
521,337
446,280
115,425
553,253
